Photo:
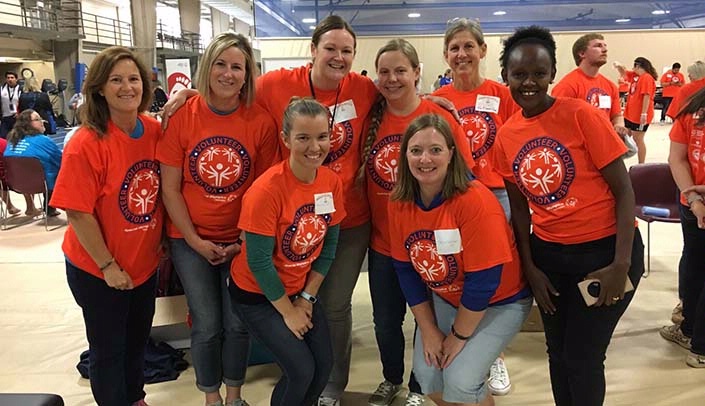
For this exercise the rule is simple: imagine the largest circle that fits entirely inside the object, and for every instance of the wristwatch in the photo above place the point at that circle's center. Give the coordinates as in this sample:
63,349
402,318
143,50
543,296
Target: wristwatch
694,197
308,296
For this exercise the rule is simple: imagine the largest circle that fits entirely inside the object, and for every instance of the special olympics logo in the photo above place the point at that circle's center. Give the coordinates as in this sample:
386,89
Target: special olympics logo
219,164
480,130
544,170
341,138
593,96
139,192
436,270
383,161
305,233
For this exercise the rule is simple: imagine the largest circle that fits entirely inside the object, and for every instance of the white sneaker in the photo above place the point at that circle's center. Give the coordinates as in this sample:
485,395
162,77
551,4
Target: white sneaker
326,401
414,399
384,395
498,381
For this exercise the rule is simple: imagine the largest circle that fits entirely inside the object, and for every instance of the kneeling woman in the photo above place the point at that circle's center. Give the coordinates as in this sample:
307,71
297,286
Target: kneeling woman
450,234
291,216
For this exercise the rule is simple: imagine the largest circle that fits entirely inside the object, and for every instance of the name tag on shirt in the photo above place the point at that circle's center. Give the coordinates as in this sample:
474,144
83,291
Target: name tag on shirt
488,104
323,203
12,107
448,241
344,111
605,102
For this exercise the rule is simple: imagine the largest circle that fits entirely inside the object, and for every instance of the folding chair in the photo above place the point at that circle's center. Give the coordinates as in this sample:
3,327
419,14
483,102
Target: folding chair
654,186
25,175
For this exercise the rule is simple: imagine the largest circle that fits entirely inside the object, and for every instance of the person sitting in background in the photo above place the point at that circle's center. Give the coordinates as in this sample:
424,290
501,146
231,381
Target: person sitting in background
27,139
4,191
671,82
33,98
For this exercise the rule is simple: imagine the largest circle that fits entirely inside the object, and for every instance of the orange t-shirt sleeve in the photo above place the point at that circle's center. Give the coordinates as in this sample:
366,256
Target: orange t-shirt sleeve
562,89
500,162
268,152
260,211
170,150
81,176
679,132
601,141
483,231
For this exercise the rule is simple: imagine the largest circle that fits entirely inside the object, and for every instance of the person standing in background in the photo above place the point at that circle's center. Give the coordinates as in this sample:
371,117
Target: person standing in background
639,111
671,83
9,99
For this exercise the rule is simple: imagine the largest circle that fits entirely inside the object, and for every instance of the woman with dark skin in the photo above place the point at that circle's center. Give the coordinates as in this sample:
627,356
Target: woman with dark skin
583,215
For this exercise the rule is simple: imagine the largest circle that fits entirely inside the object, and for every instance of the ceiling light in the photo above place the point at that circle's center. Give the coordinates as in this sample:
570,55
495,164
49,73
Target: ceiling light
308,20
311,27
499,13
622,20
414,15
660,12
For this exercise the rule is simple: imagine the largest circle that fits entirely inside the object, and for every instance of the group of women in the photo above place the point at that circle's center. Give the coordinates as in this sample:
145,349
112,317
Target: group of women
268,236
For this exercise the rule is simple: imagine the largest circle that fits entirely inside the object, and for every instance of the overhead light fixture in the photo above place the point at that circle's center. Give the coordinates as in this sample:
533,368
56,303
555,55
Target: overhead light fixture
499,13
660,12
308,20
311,27
622,20
414,15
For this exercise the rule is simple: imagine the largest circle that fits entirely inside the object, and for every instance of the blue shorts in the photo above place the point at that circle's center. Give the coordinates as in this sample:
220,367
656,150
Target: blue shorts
465,380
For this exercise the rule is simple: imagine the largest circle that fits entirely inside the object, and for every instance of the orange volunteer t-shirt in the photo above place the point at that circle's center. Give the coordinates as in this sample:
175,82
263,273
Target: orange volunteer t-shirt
599,91
481,121
683,96
485,235
640,86
555,160
279,205
382,163
686,131
220,157
674,78
354,98
115,178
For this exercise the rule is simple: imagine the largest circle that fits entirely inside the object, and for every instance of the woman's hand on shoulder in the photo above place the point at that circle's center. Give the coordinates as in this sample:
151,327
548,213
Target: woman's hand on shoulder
175,102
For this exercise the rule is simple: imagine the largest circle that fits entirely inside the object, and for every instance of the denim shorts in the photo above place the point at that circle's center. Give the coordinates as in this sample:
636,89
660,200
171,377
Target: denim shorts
465,380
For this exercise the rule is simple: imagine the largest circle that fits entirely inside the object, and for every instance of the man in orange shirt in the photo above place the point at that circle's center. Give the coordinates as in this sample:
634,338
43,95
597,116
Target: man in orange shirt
671,82
696,74
586,83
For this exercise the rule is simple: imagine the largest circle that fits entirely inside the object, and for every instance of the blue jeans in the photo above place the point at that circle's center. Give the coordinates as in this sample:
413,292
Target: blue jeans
220,343
388,311
118,323
305,364
577,336
336,296
693,281
465,379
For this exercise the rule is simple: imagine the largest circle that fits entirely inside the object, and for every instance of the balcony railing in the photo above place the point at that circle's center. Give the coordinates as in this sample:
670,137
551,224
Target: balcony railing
56,17
106,31
187,41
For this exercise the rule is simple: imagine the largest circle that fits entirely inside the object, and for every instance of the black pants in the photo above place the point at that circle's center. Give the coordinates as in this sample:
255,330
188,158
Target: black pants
693,281
666,102
118,323
577,336
6,125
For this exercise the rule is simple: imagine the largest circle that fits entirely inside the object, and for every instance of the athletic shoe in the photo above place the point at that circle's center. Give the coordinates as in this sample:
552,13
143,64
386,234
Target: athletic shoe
498,381
695,360
414,399
384,395
674,334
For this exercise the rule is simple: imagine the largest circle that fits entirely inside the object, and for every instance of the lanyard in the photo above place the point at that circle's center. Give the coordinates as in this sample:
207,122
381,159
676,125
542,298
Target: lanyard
337,93
11,95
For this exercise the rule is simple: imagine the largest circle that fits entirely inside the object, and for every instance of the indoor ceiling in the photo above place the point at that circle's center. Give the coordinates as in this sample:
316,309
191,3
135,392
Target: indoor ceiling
285,18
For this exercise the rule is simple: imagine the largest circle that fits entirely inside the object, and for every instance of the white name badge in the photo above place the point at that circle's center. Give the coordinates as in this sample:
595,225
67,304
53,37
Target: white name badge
323,203
488,104
448,241
605,102
344,111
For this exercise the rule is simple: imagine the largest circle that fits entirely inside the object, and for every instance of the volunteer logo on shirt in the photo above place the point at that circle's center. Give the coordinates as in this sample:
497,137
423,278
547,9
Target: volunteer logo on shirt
305,233
593,96
544,170
436,270
139,192
383,161
480,130
341,138
219,164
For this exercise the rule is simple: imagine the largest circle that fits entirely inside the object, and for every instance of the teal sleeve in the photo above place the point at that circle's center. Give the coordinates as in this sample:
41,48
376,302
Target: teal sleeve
330,244
259,259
